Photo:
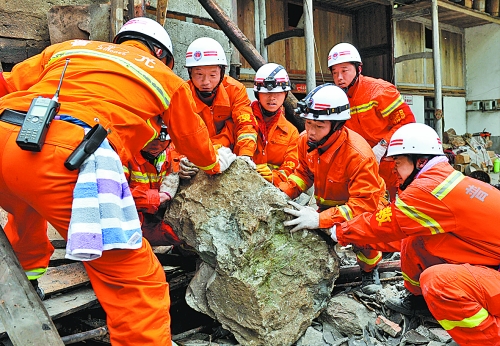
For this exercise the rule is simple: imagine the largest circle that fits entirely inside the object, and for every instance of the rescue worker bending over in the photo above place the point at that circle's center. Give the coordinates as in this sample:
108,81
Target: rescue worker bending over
450,254
377,107
276,155
221,101
120,86
342,168
153,186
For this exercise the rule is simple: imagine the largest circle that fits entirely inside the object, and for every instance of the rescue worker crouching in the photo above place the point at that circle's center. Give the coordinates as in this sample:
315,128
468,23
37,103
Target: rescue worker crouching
221,101
342,168
119,86
450,254
276,155
377,107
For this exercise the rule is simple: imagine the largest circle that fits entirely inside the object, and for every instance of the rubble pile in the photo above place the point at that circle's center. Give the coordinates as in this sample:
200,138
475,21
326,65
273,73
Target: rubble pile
469,152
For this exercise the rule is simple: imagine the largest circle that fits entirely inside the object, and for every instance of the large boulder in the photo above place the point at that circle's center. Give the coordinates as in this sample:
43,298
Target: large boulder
259,281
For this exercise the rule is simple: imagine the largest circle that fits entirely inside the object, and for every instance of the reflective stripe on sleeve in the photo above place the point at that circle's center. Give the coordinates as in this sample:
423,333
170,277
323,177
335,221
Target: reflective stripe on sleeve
300,183
243,136
468,322
345,211
369,261
412,282
442,190
398,102
34,274
421,218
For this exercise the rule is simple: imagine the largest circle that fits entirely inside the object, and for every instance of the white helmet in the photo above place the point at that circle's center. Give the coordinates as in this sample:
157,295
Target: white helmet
205,51
148,31
325,102
271,78
415,138
343,52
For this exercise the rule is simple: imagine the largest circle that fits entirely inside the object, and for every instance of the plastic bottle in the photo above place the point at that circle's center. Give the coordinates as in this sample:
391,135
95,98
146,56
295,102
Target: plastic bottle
496,165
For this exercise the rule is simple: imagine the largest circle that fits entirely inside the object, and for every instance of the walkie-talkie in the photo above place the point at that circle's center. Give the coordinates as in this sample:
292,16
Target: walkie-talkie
36,124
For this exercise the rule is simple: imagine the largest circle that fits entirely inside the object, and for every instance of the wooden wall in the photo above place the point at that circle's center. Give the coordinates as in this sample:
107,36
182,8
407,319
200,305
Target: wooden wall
330,28
418,72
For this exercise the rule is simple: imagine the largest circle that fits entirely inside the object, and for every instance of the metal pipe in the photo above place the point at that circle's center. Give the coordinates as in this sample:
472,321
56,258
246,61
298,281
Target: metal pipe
263,28
309,38
257,25
436,53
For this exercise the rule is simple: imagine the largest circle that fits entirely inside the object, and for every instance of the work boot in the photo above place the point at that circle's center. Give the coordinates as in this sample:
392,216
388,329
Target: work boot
38,289
370,281
411,305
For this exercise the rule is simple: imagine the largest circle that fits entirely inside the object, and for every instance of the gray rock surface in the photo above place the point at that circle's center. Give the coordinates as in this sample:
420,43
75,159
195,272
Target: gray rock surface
259,281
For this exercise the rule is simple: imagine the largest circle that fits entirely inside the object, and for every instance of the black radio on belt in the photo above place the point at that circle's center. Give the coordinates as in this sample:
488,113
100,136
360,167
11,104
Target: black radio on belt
36,124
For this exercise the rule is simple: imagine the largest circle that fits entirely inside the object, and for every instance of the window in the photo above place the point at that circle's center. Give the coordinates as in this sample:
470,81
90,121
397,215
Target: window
429,109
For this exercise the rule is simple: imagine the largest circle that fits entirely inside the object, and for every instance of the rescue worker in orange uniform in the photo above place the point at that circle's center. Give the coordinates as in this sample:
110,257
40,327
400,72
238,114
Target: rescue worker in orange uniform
377,107
221,101
450,254
342,168
276,155
147,184
120,86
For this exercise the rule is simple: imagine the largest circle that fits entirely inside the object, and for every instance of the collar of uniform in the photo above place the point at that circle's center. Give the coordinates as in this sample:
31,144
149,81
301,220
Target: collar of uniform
352,90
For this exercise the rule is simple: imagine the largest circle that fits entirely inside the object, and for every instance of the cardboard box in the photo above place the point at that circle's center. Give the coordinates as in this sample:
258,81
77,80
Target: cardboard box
462,158
491,154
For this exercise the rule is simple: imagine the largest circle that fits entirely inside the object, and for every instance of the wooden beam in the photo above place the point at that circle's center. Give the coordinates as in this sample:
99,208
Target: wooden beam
473,13
116,17
248,51
161,11
283,36
413,56
21,310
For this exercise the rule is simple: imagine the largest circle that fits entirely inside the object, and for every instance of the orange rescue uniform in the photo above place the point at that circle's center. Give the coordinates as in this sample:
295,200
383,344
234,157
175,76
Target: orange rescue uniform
346,182
230,107
450,251
278,146
120,87
377,111
145,178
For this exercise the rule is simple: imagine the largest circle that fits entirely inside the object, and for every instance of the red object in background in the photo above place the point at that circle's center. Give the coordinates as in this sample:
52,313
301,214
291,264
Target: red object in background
301,88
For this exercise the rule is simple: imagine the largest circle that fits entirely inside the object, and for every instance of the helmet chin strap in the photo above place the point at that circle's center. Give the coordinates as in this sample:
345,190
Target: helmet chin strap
354,80
413,174
267,113
336,125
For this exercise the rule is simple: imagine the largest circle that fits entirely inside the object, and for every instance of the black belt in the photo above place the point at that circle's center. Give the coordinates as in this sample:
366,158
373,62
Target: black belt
12,117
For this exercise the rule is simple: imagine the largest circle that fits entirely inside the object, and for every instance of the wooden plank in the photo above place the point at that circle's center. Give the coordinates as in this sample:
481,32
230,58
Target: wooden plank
21,311
64,305
161,11
62,278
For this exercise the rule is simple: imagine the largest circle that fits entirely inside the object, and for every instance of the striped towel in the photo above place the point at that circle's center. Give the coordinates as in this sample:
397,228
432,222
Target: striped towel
103,215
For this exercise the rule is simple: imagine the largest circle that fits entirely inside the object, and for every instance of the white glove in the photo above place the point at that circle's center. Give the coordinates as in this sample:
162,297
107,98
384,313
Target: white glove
187,169
170,184
333,233
226,158
249,161
379,151
307,217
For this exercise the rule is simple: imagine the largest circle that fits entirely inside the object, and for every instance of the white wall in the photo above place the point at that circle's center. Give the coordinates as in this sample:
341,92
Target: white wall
417,107
454,114
482,51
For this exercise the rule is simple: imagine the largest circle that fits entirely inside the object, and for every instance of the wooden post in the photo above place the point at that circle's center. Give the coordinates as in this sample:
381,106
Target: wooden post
116,17
161,11
245,47
21,310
